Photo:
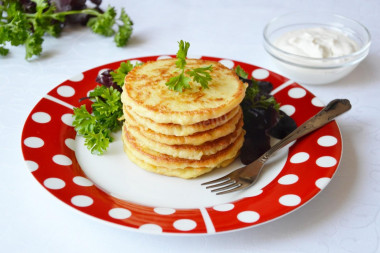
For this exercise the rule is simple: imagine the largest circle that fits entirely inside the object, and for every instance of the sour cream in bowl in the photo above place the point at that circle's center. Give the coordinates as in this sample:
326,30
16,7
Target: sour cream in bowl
316,48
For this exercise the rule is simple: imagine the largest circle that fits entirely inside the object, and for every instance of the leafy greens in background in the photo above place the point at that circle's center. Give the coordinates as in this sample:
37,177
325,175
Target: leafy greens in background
26,22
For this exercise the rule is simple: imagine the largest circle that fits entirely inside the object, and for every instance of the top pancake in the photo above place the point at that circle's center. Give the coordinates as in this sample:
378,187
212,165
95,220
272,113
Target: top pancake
145,91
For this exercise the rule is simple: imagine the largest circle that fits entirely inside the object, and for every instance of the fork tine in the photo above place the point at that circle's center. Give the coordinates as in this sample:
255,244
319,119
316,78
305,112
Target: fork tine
234,185
229,181
225,178
238,188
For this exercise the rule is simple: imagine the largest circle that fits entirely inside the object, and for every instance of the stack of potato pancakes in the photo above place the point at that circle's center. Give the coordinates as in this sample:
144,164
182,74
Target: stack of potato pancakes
183,134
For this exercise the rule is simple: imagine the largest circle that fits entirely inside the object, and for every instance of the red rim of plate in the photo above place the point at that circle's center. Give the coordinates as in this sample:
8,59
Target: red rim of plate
47,145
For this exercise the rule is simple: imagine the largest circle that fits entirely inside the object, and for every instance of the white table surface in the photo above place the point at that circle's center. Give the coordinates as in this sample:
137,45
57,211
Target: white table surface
345,217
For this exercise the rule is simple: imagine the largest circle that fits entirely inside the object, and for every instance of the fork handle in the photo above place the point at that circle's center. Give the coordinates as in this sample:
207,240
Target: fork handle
333,109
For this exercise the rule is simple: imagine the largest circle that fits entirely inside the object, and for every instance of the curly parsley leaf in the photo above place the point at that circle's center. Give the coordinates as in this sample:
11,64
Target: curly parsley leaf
96,128
125,30
84,122
252,91
240,72
33,45
182,54
26,22
178,83
107,111
201,75
41,5
107,100
119,74
16,31
102,24
256,98
266,102
98,143
181,81
3,51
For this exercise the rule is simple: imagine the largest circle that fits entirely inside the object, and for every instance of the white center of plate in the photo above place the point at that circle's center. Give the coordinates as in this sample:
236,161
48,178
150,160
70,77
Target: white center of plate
115,174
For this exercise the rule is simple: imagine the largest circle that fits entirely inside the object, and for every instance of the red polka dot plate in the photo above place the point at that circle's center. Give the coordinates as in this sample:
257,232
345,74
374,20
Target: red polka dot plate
113,189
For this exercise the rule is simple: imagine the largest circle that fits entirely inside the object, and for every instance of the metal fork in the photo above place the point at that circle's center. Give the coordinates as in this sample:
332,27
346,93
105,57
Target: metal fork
246,176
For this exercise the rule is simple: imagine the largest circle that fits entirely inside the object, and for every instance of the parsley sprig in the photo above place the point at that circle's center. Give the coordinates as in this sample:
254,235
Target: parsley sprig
200,75
107,111
97,127
119,74
254,96
19,27
259,100
241,72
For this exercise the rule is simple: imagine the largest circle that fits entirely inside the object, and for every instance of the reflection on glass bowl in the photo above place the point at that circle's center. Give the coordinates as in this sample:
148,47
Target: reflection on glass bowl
313,71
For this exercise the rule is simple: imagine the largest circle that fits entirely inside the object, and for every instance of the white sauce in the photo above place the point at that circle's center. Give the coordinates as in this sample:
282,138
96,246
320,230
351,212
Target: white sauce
316,42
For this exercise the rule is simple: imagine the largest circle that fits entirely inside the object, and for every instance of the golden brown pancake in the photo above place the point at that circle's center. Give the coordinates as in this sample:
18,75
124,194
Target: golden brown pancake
187,151
180,130
185,173
162,160
145,91
182,134
194,139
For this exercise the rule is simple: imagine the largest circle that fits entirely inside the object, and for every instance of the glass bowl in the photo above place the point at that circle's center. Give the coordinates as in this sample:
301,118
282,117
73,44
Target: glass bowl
314,71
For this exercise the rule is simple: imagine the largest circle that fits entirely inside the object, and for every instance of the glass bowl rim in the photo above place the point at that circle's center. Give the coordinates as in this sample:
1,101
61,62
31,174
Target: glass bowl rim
353,55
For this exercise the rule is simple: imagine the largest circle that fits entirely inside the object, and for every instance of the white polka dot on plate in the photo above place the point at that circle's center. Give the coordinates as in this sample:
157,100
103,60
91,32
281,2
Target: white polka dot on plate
134,62
316,102
67,119
296,93
31,165
164,210
66,91
300,157
194,56
248,216
163,57
185,224
322,182
119,213
54,183
62,160
326,161
327,141
70,143
260,74
151,228
288,179
288,109
82,201
227,63
77,78
224,207
290,200
82,181
41,117
34,142
253,193
88,93
101,71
